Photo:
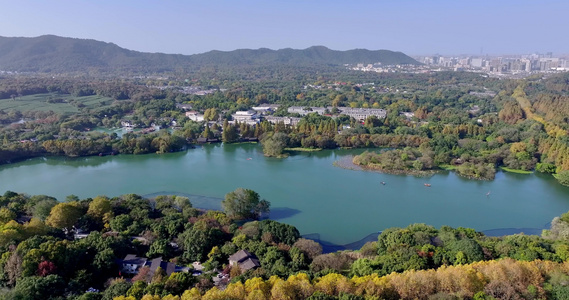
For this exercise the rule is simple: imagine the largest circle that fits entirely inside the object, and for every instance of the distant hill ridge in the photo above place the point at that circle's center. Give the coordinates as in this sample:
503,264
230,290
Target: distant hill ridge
49,53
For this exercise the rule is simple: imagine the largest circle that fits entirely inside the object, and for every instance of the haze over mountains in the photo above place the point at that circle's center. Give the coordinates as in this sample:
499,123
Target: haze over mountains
56,54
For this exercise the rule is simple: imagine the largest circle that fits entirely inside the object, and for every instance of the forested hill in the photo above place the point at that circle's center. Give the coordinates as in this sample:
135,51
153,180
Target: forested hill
51,53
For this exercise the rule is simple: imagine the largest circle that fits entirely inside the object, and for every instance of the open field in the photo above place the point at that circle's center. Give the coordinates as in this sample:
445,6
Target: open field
59,103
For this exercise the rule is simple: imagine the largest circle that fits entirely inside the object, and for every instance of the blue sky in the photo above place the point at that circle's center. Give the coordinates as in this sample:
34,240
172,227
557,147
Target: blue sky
410,26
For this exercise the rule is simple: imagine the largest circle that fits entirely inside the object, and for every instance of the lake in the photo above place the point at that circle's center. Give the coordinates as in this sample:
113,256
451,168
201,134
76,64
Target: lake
305,190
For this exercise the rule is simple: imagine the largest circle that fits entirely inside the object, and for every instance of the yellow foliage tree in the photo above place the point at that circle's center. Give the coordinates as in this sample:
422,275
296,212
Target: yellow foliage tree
214,294
257,284
333,284
35,227
300,283
235,291
256,295
64,215
6,215
100,209
125,298
282,291
193,294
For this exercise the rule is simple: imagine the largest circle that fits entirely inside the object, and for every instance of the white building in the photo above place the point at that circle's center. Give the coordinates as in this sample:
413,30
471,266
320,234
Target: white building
194,116
263,108
303,111
249,117
360,114
286,120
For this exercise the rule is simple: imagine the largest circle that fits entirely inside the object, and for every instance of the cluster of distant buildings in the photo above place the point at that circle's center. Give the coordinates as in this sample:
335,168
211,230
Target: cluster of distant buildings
507,66
360,114
263,112
521,64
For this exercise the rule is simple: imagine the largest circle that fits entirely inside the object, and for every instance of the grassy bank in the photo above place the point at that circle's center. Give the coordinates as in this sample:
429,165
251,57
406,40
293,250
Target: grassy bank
506,169
303,149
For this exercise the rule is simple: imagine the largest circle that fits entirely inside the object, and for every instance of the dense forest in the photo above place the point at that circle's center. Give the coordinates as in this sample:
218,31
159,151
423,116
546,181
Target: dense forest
76,249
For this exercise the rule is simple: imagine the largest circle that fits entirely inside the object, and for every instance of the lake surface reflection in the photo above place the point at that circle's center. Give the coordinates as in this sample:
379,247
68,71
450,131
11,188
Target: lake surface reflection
305,190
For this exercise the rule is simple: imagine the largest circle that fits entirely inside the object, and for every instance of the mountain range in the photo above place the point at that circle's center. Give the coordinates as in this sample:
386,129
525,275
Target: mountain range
49,53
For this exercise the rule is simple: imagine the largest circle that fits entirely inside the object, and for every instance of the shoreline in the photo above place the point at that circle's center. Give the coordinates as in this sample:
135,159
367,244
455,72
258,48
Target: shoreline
330,247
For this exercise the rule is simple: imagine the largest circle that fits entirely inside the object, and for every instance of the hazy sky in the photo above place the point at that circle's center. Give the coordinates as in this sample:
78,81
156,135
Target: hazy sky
410,26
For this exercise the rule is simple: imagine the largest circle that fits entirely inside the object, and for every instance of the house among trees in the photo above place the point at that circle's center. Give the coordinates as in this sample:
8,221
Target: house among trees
184,106
132,264
245,260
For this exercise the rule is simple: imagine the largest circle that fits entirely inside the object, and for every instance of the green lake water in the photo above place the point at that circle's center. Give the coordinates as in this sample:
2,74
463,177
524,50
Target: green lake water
305,189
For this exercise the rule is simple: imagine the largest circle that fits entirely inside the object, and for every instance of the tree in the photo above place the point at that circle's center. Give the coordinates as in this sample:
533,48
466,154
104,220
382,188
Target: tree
13,268
100,209
49,287
6,215
121,223
46,268
64,215
143,275
210,114
207,133
229,134
275,144
309,247
563,177
42,209
118,288
244,203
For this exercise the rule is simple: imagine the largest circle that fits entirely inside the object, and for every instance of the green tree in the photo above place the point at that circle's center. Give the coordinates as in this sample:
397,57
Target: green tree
244,203
43,208
229,134
121,223
117,288
274,145
210,114
563,177
48,287
207,133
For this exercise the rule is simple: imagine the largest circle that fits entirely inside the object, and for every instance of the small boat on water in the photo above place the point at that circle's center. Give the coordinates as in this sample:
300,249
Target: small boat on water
383,182
427,184
249,158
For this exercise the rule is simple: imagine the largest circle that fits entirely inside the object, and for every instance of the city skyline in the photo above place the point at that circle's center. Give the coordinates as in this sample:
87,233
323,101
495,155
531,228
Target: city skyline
414,27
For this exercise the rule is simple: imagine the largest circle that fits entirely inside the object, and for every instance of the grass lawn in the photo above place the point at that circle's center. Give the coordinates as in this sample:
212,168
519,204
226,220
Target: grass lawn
505,169
448,167
39,102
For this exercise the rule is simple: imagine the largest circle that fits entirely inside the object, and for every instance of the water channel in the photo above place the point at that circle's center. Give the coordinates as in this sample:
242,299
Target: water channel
305,189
